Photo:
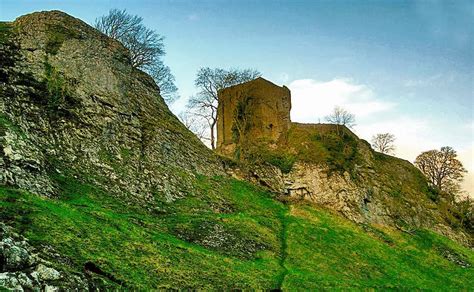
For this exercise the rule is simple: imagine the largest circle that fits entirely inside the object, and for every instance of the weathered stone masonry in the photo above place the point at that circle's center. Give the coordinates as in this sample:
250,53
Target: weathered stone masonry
266,107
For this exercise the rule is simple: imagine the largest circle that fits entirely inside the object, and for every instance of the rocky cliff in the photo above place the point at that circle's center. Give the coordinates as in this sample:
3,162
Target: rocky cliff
72,104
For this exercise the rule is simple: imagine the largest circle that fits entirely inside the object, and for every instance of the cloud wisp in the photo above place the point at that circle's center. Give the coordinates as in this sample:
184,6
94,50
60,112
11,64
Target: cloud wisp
312,99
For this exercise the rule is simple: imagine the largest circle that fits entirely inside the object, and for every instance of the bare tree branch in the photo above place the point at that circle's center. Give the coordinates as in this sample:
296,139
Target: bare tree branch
209,82
340,116
384,143
145,45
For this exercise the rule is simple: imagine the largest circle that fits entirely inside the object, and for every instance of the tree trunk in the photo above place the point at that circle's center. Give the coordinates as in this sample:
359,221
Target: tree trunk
213,139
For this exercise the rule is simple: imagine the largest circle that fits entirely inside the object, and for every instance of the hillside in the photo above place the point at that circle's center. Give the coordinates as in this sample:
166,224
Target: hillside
325,164
101,187
255,242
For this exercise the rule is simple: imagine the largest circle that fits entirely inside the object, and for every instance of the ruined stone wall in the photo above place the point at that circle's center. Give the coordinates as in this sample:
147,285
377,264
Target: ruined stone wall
256,111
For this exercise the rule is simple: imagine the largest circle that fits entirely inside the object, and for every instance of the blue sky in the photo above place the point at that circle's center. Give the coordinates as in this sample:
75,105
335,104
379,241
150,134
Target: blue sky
401,66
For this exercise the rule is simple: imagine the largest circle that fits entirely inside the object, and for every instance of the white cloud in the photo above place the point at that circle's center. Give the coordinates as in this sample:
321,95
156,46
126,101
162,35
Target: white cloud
436,79
412,134
312,100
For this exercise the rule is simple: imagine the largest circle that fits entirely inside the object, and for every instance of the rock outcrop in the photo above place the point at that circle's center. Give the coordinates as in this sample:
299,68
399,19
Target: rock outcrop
71,104
25,268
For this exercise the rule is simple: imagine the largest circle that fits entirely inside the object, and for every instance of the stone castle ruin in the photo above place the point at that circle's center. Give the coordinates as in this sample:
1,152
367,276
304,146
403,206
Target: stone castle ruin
326,164
250,113
255,117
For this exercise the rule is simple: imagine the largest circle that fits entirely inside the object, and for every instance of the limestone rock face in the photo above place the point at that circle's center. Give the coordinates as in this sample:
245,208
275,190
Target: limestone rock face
23,267
72,104
368,198
251,113
338,192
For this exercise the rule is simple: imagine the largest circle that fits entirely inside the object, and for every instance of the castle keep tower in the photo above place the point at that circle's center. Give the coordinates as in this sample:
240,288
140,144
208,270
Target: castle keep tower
252,113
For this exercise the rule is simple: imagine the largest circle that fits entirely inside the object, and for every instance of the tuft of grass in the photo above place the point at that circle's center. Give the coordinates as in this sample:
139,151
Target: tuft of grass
281,159
7,124
56,86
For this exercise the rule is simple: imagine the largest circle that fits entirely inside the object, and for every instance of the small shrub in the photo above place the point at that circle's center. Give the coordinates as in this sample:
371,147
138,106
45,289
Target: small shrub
57,89
342,151
279,158
396,193
56,86
433,193
283,161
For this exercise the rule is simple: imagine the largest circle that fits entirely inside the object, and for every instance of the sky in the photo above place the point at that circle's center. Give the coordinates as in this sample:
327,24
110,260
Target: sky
404,67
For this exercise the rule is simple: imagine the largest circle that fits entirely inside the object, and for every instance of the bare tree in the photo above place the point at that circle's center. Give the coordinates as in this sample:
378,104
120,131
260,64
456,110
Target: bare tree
384,143
209,82
165,80
118,24
341,117
145,45
442,169
195,124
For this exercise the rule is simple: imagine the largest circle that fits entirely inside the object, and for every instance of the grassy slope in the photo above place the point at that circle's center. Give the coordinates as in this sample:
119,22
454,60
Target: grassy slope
328,251
139,248
268,244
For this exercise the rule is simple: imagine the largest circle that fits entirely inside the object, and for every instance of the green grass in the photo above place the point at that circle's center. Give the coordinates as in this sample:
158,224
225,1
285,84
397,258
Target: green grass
143,250
342,151
266,245
326,251
284,161
325,144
